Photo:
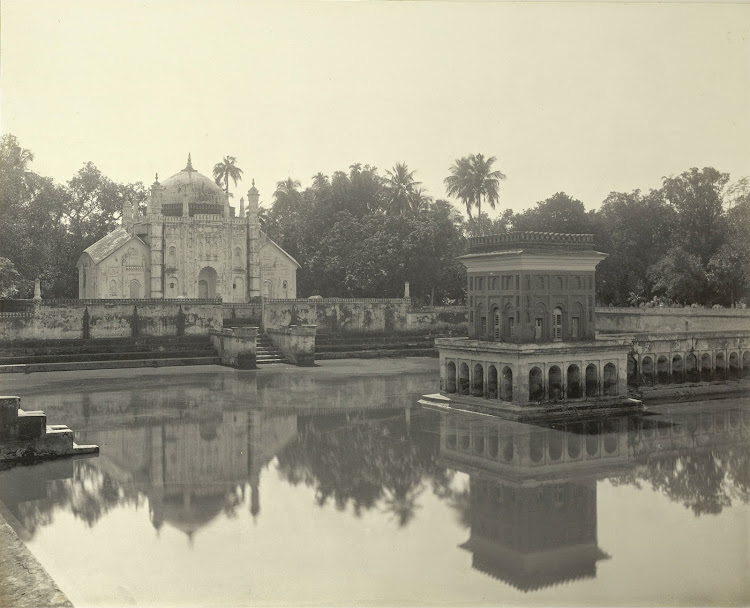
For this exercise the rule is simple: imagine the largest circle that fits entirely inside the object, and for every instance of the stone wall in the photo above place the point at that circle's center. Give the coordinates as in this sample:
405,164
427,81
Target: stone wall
236,347
671,320
341,315
76,319
297,344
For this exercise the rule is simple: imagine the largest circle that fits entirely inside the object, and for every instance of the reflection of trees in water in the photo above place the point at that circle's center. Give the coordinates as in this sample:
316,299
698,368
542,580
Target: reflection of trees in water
88,495
704,481
367,461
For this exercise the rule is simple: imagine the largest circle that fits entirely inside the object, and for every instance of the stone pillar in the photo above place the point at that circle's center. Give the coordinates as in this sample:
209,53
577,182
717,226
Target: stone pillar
37,290
253,243
406,290
127,216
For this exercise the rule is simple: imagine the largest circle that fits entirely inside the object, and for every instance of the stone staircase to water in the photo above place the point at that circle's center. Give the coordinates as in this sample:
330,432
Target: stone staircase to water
66,355
266,353
27,436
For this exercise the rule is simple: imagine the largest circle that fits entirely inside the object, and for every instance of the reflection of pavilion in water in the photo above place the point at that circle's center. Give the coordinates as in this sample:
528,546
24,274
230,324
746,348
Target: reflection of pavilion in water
533,490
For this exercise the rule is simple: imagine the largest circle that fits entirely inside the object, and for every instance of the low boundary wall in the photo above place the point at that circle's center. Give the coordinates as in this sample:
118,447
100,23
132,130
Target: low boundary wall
83,319
369,315
671,320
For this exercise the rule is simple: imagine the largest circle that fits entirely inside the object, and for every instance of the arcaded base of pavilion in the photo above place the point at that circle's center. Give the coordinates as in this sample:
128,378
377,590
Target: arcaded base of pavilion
526,381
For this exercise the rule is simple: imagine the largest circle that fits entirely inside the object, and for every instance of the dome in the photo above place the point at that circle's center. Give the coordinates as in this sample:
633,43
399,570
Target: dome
202,193
190,178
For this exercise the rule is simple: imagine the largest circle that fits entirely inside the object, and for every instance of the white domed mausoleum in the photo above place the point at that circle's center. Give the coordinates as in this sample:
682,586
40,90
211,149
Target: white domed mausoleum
189,244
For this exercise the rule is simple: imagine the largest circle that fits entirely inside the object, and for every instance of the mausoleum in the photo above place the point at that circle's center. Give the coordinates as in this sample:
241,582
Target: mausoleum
190,243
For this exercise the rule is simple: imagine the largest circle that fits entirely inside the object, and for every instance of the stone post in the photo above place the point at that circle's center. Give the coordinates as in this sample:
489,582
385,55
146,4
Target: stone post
37,290
406,290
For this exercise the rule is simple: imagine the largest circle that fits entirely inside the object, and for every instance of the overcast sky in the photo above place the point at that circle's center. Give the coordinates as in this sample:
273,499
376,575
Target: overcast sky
581,97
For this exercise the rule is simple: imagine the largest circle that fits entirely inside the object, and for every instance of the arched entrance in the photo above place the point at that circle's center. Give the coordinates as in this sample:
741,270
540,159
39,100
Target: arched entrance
610,379
574,382
477,388
706,371
238,289
632,371
691,368
678,374
450,377
463,379
555,383
536,385
647,370
746,364
135,290
720,367
207,279
662,370
492,382
506,388
734,367
592,380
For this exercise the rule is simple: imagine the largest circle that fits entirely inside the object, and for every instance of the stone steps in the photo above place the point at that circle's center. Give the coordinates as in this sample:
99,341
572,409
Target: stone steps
25,368
266,353
380,353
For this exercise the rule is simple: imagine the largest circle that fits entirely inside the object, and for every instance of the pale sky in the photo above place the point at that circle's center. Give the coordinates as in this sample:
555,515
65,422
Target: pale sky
581,97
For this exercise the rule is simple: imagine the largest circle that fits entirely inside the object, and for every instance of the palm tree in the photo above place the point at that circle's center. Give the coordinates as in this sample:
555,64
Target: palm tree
472,179
402,194
287,197
226,170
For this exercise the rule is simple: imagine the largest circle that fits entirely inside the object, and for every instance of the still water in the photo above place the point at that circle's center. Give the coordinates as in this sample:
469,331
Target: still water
331,486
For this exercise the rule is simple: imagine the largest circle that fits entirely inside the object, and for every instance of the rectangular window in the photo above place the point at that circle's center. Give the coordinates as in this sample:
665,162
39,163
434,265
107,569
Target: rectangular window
538,328
471,283
511,322
574,327
518,281
481,283
484,327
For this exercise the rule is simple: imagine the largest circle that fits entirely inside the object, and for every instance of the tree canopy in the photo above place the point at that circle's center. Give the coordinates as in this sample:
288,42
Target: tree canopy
359,233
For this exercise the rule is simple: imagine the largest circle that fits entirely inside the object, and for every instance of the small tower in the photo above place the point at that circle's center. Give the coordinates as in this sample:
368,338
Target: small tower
127,216
155,200
242,206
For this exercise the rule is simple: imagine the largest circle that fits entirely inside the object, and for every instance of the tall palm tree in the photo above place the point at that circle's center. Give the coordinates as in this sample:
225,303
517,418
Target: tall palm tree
472,179
226,170
287,197
401,188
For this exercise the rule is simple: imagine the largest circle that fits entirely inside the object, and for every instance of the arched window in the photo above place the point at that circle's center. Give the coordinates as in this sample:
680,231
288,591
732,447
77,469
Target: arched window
135,290
706,372
662,370
172,257
496,324
677,371
647,370
557,324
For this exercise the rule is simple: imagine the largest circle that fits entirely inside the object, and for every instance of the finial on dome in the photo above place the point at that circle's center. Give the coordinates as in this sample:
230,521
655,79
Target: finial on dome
189,166
253,182
156,178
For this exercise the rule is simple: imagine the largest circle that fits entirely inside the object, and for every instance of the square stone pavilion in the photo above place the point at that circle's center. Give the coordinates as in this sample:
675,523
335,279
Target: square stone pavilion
531,343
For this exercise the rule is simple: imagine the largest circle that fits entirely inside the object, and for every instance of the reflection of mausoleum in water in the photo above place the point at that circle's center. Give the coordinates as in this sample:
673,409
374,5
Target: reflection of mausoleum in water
531,329
533,490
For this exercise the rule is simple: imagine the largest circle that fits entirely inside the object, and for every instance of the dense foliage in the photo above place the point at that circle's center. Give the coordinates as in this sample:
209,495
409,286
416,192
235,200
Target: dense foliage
360,233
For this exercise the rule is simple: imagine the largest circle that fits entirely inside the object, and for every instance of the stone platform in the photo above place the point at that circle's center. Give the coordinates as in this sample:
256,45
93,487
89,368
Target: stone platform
26,436
548,412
